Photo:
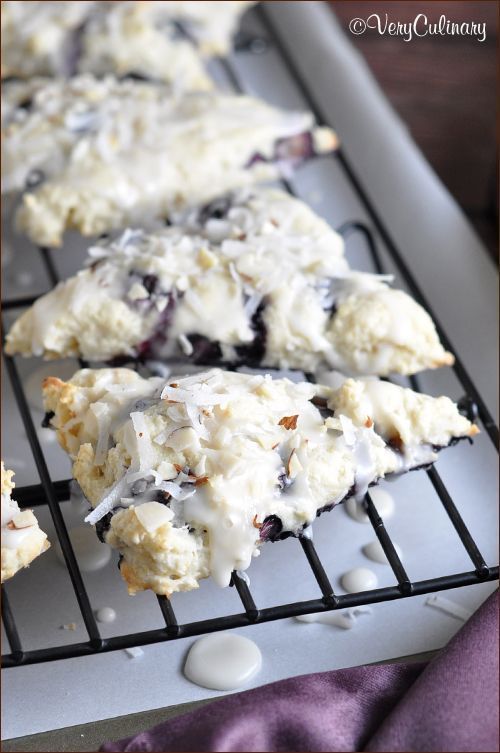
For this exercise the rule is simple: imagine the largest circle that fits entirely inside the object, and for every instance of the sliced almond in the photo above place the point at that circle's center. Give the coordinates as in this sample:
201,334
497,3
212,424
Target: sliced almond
294,466
24,519
152,515
289,422
207,259
332,422
168,470
137,292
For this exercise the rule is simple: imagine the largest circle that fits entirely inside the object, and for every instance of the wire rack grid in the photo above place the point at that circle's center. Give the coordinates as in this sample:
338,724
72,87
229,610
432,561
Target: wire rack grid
52,493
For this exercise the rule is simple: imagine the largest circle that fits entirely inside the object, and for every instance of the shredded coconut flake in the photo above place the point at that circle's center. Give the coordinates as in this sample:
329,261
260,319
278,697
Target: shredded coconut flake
185,344
133,476
109,501
195,397
129,237
194,416
252,304
103,418
174,489
348,430
144,446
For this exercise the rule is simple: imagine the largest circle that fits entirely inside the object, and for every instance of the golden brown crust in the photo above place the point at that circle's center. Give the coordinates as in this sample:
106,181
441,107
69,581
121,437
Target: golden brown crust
134,585
7,482
22,539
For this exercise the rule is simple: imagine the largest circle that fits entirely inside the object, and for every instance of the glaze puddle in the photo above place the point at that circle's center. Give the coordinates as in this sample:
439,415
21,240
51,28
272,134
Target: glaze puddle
374,552
105,614
345,620
383,501
449,607
356,511
222,661
359,579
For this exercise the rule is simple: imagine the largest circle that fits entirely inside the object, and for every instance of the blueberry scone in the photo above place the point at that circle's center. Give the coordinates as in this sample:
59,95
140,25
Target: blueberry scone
94,155
22,539
38,37
165,40
168,41
187,478
255,278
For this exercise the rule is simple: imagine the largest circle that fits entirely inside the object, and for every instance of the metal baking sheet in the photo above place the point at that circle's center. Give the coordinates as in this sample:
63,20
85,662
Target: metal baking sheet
440,247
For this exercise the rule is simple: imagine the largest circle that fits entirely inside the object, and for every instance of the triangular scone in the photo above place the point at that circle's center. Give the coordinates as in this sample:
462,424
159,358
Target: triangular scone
96,155
22,539
406,419
166,41
188,477
157,34
255,277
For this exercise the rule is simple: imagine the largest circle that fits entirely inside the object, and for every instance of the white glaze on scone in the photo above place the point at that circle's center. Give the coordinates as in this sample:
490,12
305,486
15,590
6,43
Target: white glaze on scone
406,419
380,330
167,40
255,277
36,36
195,477
110,153
161,40
22,539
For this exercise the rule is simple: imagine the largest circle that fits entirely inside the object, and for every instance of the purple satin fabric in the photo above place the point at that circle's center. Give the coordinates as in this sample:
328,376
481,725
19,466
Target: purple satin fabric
449,704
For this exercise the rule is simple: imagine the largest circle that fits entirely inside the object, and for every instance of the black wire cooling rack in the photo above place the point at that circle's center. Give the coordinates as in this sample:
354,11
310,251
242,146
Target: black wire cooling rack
52,493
